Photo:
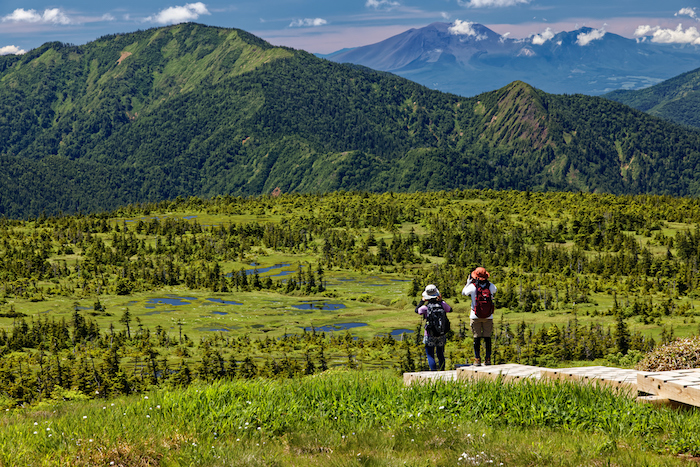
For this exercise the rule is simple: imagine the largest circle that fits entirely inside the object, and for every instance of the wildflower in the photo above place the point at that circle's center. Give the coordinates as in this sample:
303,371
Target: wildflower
441,407
36,423
48,429
145,397
91,440
85,416
36,432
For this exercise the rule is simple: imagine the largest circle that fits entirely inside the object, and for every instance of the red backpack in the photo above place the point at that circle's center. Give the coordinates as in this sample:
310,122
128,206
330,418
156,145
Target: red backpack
484,303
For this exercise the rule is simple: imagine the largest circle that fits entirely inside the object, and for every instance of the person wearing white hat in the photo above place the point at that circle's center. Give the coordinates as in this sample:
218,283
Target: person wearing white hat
434,309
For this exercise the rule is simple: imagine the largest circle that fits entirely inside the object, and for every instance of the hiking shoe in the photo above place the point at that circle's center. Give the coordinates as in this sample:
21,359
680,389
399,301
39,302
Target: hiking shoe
488,361
477,362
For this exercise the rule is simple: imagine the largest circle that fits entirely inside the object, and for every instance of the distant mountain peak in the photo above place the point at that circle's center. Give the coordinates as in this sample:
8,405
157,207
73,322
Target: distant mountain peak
469,58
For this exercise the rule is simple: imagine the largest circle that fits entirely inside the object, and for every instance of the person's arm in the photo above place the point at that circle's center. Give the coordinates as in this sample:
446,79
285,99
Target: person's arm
446,307
420,304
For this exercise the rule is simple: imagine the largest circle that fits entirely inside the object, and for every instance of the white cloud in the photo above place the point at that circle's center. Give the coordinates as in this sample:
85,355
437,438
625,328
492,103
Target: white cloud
108,17
180,14
687,12
670,36
52,15
445,15
465,28
586,38
307,23
11,50
491,3
544,36
381,4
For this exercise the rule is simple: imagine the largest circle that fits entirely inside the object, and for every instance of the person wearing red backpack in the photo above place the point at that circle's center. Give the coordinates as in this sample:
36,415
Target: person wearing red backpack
481,292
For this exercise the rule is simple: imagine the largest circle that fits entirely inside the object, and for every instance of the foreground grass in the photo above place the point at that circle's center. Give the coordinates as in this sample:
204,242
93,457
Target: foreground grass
354,418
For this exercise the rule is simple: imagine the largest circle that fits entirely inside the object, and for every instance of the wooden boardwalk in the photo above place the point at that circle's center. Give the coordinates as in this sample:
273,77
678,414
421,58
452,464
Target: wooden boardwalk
680,386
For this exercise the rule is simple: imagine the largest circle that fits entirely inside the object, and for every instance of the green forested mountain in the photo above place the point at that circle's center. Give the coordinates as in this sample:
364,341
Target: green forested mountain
195,110
676,99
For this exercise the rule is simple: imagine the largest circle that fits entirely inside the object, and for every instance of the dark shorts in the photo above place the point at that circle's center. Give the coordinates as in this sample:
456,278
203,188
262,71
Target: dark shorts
435,341
481,327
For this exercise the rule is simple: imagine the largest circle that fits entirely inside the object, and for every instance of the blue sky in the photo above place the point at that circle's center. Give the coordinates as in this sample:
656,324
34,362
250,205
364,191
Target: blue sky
326,26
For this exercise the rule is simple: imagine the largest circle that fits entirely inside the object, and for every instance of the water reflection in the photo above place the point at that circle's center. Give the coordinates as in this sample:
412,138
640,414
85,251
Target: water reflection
174,301
335,327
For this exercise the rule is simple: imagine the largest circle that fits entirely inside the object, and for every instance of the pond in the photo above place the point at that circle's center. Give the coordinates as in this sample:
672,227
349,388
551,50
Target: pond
319,305
174,301
283,273
335,327
268,269
219,313
399,333
225,302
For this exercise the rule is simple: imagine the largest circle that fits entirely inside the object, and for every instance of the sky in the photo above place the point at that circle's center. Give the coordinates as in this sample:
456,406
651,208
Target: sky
330,25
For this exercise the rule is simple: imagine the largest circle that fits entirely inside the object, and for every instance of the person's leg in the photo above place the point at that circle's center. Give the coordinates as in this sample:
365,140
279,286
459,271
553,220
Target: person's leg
430,353
440,357
488,331
477,332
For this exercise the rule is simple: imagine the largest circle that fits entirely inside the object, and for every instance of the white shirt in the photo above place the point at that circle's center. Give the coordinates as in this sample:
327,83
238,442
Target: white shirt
470,291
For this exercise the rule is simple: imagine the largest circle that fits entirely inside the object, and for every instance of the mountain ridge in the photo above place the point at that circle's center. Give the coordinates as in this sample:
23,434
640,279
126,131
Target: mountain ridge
676,100
201,111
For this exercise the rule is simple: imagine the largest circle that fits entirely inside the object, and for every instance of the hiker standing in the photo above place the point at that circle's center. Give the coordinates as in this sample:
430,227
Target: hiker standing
434,310
481,292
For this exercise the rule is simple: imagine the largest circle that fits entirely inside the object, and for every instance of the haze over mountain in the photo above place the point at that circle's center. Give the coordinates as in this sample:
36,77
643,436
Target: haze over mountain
190,110
469,58
676,99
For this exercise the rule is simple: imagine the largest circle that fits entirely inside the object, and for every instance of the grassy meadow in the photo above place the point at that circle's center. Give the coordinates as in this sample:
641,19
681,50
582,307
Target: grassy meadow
273,331
354,418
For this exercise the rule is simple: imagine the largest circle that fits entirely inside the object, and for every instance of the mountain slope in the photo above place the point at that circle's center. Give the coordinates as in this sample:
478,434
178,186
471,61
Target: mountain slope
468,59
676,99
200,111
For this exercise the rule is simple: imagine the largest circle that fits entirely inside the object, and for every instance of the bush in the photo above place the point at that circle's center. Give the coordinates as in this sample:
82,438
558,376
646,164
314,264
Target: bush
679,354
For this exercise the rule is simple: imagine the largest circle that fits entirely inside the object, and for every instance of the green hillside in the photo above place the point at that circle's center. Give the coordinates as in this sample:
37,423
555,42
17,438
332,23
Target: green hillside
676,99
194,110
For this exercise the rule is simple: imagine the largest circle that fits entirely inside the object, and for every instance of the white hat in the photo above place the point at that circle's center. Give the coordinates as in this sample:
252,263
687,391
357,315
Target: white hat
430,291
